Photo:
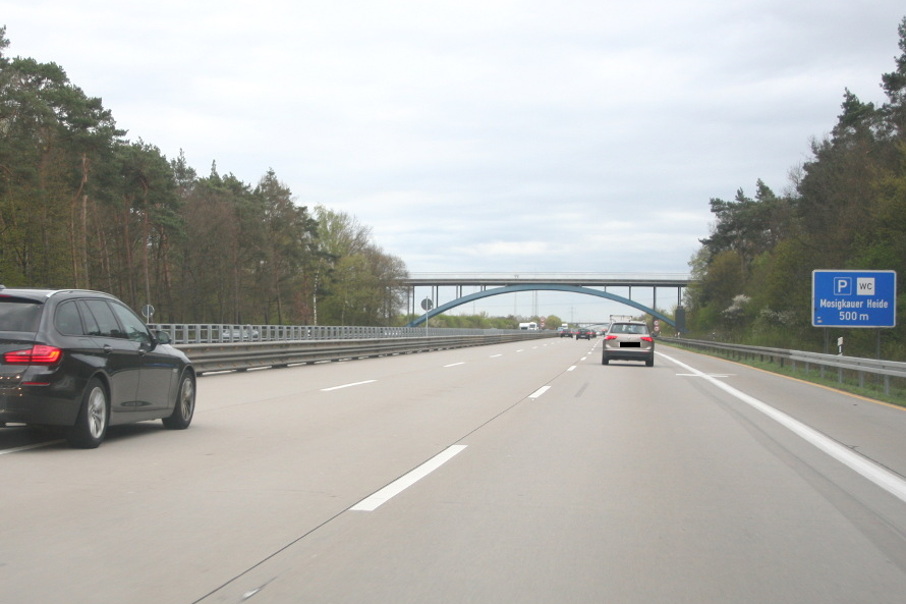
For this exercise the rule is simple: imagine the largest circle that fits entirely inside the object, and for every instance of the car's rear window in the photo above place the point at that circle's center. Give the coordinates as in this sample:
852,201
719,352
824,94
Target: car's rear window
19,315
629,328
67,319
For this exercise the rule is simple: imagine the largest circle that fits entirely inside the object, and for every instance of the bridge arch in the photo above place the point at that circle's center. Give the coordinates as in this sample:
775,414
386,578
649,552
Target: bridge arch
523,287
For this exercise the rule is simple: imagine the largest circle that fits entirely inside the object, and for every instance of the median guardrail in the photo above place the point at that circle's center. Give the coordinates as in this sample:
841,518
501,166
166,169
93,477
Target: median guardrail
215,333
846,367
242,355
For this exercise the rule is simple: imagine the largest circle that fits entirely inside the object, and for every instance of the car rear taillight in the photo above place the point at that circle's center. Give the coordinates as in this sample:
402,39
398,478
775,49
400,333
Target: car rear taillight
39,354
647,339
610,337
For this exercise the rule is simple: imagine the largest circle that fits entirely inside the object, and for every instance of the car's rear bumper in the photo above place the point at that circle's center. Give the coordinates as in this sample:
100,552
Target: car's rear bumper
35,405
628,354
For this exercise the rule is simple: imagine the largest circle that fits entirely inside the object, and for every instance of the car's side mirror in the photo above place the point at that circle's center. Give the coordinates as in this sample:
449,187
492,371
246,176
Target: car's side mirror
162,337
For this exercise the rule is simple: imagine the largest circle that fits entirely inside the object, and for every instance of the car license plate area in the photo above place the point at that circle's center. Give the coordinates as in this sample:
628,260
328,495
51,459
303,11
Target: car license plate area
630,344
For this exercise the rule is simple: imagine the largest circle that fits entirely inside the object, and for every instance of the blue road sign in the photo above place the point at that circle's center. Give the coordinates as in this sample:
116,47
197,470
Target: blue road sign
854,298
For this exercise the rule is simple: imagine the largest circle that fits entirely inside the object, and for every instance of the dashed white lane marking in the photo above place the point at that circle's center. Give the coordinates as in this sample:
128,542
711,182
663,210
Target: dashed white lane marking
27,447
713,375
347,385
539,392
373,502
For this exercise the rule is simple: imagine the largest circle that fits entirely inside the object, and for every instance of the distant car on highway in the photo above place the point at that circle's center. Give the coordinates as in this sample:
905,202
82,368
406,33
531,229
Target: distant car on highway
565,332
628,341
584,332
239,334
80,361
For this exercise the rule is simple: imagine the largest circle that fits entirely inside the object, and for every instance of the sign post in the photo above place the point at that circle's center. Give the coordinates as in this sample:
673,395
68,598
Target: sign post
147,312
854,298
427,305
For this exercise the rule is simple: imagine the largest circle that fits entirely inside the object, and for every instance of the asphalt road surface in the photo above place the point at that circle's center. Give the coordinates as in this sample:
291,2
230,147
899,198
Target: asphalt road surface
524,472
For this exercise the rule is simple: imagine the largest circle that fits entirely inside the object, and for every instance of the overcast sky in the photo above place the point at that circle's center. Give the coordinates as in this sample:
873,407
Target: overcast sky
491,136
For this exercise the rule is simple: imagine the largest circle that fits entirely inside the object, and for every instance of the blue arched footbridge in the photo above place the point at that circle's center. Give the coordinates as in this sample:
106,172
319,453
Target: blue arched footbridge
498,284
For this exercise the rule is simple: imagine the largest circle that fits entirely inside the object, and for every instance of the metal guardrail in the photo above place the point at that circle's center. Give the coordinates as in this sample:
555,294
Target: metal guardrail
858,366
213,333
243,355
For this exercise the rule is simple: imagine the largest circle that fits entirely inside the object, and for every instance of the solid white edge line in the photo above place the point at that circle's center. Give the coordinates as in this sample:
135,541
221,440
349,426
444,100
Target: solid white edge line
882,477
373,502
347,385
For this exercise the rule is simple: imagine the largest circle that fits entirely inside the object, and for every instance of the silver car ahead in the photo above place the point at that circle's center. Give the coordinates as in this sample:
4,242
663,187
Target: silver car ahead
629,341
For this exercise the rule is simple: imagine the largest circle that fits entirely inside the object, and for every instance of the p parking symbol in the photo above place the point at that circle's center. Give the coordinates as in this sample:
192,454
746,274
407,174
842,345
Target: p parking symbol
843,286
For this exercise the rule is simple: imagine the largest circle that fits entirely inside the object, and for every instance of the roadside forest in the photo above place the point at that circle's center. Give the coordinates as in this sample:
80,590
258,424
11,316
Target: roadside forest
845,208
82,206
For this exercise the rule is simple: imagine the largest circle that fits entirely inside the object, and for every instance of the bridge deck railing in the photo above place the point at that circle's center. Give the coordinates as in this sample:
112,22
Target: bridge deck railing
587,279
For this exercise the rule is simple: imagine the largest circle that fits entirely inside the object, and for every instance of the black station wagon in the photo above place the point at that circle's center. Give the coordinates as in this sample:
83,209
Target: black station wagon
82,361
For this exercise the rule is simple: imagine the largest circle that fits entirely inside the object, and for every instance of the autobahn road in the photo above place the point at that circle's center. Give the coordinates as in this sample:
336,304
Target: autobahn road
550,478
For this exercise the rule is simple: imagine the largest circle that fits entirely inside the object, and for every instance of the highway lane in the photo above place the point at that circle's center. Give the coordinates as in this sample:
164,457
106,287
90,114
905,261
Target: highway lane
573,482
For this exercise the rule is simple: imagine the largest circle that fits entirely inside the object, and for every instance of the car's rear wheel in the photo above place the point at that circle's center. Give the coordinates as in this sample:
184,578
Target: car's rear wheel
649,362
94,416
184,409
604,360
